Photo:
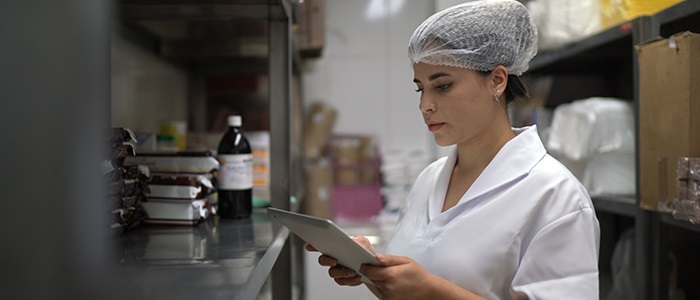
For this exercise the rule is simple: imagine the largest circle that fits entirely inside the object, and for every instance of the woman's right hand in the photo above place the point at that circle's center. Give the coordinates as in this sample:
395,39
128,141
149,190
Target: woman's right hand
339,273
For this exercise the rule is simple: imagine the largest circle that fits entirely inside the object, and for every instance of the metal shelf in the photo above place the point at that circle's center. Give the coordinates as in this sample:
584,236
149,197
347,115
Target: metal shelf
212,37
684,13
613,43
619,205
669,220
217,259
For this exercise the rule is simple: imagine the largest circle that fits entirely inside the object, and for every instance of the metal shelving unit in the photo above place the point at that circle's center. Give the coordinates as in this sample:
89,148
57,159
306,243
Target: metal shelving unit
612,51
606,45
223,37
219,259
669,220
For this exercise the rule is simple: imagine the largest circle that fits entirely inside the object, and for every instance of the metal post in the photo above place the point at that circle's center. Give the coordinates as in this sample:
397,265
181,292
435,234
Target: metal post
645,28
280,158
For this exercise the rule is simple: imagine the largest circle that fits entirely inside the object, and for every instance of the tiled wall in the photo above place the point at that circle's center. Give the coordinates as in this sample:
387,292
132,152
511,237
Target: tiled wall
365,73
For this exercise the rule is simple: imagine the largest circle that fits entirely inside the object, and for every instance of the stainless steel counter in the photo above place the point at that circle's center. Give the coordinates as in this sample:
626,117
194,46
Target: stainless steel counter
217,259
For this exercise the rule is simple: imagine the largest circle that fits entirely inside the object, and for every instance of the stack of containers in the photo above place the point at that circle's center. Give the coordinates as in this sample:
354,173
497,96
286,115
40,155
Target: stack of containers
687,205
127,184
594,139
400,169
318,171
356,193
181,189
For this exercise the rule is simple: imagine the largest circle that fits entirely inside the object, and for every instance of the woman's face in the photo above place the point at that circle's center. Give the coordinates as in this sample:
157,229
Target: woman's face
456,103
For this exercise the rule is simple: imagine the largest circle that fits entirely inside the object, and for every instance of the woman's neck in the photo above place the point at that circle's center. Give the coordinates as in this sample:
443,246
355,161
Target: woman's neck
473,156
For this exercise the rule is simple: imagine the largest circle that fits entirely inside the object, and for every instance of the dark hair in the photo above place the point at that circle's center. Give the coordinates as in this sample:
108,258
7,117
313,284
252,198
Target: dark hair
515,89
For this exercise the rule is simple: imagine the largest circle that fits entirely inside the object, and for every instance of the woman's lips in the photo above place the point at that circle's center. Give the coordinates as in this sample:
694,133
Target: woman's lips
435,126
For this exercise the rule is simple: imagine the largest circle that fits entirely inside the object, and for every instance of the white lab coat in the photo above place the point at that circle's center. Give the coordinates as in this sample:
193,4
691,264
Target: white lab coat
525,229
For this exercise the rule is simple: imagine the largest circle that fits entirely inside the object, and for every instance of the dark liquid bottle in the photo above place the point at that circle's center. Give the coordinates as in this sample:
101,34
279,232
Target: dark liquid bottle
235,172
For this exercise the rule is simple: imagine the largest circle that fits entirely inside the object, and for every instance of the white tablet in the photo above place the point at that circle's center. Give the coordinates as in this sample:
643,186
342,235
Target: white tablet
328,238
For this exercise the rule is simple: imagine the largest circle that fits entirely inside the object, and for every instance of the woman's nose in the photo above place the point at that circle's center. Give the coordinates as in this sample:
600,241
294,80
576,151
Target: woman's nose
426,106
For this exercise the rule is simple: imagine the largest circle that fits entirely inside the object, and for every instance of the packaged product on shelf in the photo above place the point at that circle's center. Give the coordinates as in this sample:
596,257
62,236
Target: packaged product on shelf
560,22
235,177
321,118
668,114
260,146
176,211
179,187
686,205
180,162
177,130
614,12
319,183
594,138
346,157
350,197
126,184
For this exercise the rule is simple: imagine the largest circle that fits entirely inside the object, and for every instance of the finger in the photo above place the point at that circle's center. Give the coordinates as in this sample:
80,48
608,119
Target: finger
327,261
355,281
392,260
364,242
311,248
374,273
341,272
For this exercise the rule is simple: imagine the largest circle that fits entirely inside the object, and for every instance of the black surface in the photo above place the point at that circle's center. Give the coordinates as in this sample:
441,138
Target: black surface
681,17
592,54
668,219
212,260
619,205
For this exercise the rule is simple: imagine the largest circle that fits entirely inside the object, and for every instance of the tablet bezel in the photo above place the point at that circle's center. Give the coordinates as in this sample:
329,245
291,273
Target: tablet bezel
327,238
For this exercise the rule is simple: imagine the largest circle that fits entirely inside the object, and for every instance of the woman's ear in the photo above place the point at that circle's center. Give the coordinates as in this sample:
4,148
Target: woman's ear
499,80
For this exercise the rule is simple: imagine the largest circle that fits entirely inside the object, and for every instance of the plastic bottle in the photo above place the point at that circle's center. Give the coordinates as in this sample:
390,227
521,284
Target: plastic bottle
235,172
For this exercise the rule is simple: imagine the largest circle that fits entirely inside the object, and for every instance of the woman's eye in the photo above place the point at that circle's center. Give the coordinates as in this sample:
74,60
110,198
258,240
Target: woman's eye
444,87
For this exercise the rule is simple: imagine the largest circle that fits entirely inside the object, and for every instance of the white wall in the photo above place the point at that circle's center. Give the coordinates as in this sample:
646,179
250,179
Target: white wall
365,73
145,89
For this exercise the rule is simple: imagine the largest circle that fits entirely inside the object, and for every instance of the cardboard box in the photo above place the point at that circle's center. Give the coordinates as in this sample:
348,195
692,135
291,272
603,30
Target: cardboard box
319,183
669,113
321,119
311,28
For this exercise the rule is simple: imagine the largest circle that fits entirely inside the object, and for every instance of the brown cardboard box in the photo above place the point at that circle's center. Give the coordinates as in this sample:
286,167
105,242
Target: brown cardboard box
669,113
318,129
319,184
311,29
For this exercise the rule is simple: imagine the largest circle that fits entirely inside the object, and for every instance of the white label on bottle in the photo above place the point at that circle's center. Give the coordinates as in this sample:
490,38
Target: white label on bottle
236,171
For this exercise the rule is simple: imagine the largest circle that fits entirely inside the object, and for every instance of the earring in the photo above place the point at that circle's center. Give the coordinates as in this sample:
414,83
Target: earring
495,96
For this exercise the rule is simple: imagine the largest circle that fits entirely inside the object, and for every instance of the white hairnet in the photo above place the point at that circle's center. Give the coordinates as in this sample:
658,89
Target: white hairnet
478,35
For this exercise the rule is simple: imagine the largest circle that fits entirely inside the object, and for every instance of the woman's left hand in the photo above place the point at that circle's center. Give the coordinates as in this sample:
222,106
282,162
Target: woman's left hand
399,277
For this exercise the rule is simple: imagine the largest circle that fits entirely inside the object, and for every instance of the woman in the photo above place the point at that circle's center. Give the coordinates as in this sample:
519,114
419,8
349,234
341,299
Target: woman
498,218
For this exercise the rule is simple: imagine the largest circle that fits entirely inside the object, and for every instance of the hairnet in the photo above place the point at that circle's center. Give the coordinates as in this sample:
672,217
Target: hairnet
478,35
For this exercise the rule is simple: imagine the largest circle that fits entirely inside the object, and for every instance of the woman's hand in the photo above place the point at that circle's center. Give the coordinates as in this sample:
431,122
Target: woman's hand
343,275
400,277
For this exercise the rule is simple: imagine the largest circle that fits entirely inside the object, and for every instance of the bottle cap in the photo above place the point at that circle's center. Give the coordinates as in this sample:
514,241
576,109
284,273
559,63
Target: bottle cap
234,121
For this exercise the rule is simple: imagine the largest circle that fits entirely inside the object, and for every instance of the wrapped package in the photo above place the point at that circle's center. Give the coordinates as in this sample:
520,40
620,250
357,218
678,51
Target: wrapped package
560,22
613,12
686,205
594,138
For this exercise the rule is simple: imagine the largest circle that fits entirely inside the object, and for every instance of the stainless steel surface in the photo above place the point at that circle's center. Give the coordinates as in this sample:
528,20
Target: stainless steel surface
218,259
